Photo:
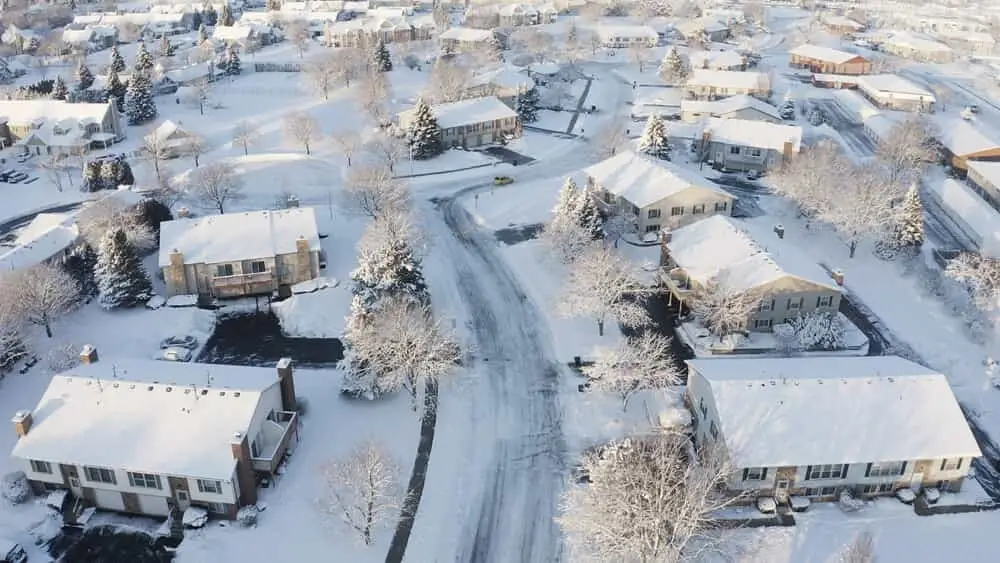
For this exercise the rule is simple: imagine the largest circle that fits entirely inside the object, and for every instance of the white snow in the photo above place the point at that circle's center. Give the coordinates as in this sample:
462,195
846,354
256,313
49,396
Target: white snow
893,86
187,300
961,137
718,60
465,112
643,180
466,34
56,499
314,284
800,503
44,238
596,417
758,134
815,409
767,505
727,79
820,53
718,108
195,517
969,210
238,236
318,314
932,495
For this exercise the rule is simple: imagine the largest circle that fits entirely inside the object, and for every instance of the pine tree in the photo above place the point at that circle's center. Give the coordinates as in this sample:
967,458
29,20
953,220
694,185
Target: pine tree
139,105
232,65
273,5
92,180
425,134
910,229
388,270
116,90
110,172
566,204
84,78
226,16
165,48
196,19
80,265
588,216
202,34
143,61
654,140
672,69
526,105
59,89
117,63
122,281
380,59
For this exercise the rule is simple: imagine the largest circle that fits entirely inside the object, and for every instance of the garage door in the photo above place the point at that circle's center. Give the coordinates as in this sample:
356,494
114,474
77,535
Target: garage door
111,500
156,506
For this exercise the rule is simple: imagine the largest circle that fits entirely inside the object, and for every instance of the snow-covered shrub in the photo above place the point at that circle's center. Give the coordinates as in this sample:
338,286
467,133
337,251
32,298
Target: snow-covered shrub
786,341
15,487
194,517
62,358
247,516
848,503
819,331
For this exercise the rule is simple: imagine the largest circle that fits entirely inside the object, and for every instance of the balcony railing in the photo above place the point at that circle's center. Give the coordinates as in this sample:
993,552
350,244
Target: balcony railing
244,279
276,442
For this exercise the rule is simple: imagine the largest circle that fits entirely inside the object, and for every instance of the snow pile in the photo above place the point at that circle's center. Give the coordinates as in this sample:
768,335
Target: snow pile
848,503
906,496
800,504
932,495
188,300
15,487
315,284
247,516
56,499
596,417
155,302
314,315
195,517
766,505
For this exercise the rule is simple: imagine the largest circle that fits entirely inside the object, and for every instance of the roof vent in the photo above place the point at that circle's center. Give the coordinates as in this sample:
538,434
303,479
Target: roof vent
222,393
169,389
150,388
236,393
204,391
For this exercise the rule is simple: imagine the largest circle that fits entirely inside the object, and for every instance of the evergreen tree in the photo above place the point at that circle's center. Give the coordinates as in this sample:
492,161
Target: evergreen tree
59,89
209,16
121,279
202,34
654,140
152,212
588,215
566,204
910,227
117,63
672,68
273,5
226,16
196,20
110,172
425,134
84,78
116,90
92,180
526,105
80,265
232,65
390,269
380,59
143,61
165,48
139,105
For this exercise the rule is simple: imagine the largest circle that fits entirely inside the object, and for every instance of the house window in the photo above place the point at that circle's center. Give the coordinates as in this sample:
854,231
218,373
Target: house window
698,209
824,301
223,270
877,488
721,205
767,305
208,486
762,323
675,211
100,475
734,150
144,480
820,491
217,508
755,474
885,469
713,430
652,228
702,407
951,464
795,303
653,214
755,152
258,267
41,466
832,471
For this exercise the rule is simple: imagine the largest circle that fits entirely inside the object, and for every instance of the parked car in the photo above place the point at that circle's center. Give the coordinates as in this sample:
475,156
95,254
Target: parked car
502,180
973,108
174,354
18,177
11,552
184,341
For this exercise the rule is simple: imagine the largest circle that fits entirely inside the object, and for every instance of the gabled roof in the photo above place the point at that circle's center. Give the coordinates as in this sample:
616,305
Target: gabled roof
238,236
784,412
757,134
27,111
719,249
978,215
467,34
720,108
607,31
916,42
642,180
466,112
893,84
842,21
716,59
961,137
169,418
726,79
48,235
824,54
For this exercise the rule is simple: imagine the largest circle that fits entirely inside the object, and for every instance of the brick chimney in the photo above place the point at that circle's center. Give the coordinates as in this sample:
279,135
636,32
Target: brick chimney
286,381
788,150
303,261
175,276
22,423
88,354
838,277
245,474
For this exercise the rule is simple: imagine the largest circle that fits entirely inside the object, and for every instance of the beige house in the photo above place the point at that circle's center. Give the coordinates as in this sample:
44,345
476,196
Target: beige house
842,25
154,438
171,139
744,145
735,107
471,123
707,84
890,91
625,36
505,83
985,180
824,60
240,254
918,48
722,251
54,127
814,427
465,40
661,195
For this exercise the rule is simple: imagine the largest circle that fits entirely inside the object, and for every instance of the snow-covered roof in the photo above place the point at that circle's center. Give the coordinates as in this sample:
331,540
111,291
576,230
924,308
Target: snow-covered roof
725,106
163,133
824,54
706,24
758,134
606,32
856,105
27,111
547,68
726,79
77,35
238,236
842,21
720,60
740,256
916,43
232,32
961,137
990,171
504,77
962,202
781,412
881,124
46,236
967,36
467,34
643,181
894,85
151,416
465,112
188,73
660,97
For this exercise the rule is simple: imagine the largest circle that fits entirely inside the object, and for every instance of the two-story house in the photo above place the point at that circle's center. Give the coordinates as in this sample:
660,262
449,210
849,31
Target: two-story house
817,426
741,144
466,40
660,194
505,82
54,127
707,84
471,123
239,254
153,438
824,60
625,36
734,255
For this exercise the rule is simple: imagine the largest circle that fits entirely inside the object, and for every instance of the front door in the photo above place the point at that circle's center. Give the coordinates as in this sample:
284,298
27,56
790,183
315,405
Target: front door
917,481
781,490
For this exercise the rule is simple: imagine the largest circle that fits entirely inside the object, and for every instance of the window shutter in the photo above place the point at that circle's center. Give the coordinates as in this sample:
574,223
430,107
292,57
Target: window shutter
763,474
902,470
809,470
745,472
801,301
943,462
843,471
772,304
818,300
959,466
868,470
789,304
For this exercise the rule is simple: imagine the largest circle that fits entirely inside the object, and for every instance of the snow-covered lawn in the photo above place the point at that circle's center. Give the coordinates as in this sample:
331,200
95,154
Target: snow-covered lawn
553,120
453,159
596,417
315,315
20,199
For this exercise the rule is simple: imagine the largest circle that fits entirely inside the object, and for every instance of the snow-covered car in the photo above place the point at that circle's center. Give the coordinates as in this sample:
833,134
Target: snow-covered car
174,354
184,341
502,180
753,174
11,552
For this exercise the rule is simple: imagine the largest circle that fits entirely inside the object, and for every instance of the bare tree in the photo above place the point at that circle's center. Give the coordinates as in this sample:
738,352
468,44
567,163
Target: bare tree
332,68
538,44
640,55
863,204
195,146
755,12
363,490
980,275
602,284
216,186
388,149
908,147
11,321
723,308
642,362
244,135
812,177
303,129
43,293
449,82
609,139
297,33
348,142
200,90
372,93
371,191
861,549
646,499
109,214
55,167
156,149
